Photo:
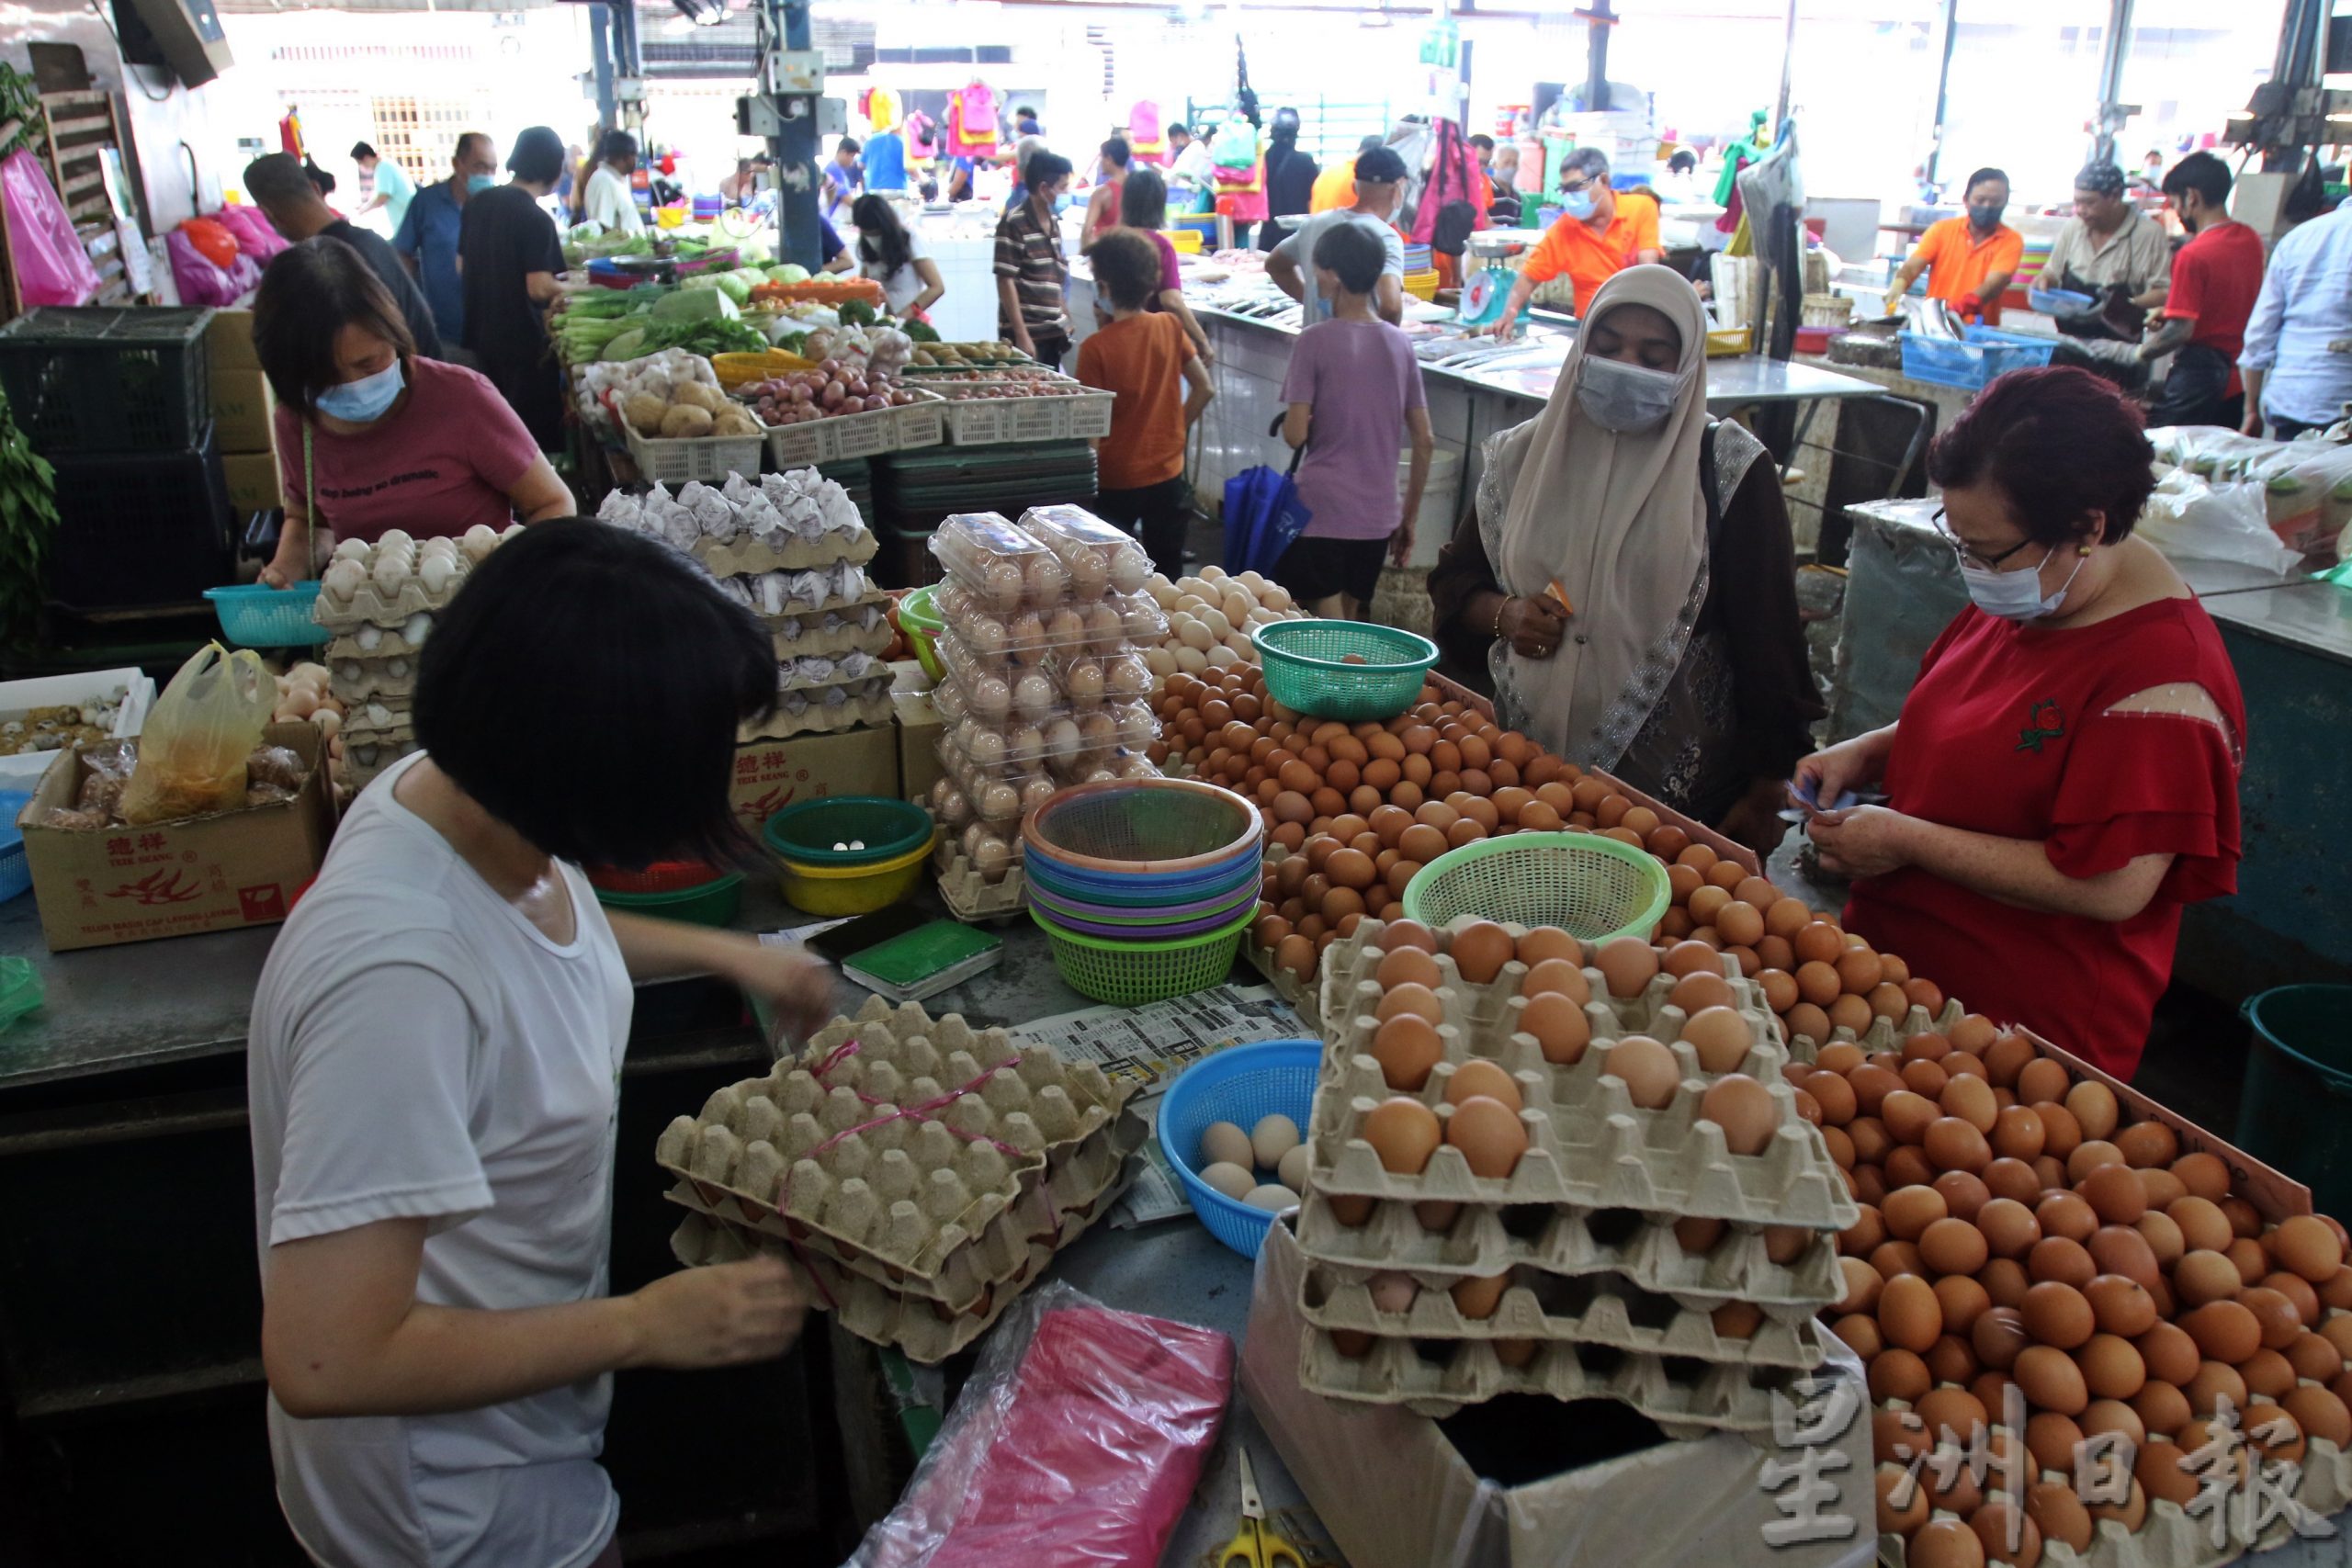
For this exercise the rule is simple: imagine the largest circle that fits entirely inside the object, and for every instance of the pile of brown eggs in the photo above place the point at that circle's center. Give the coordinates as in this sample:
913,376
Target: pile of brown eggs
2015,1230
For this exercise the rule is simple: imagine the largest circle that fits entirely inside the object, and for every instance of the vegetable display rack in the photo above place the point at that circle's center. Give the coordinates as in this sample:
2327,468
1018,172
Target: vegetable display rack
96,379
984,422
867,435
710,459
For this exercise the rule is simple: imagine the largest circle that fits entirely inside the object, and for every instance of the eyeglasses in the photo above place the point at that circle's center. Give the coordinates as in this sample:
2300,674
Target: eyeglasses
1970,558
1572,189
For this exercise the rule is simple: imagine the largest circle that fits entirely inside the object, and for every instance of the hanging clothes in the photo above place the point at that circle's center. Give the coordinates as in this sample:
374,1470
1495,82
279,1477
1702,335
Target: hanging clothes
972,118
922,137
882,108
1454,178
1145,143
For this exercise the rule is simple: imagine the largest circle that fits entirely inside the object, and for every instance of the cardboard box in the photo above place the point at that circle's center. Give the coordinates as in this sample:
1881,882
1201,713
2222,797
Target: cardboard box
229,342
920,727
253,481
1395,1493
242,411
23,771
772,775
204,873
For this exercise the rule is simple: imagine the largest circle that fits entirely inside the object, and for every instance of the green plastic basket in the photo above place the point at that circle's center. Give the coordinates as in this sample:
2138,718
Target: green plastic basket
806,831
713,904
1589,886
1306,669
1129,973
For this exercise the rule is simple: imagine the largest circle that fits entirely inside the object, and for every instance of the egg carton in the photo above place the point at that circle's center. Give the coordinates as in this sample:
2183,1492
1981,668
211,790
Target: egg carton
358,678
1567,1240
1590,1309
1883,1034
972,897
378,723
821,718
1485,1013
376,643
1606,1153
1300,994
997,639
1687,1398
912,1190
1056,731
1098,554
386,582
1001,794
1063,682
847,625
1006,570
362,763
747,557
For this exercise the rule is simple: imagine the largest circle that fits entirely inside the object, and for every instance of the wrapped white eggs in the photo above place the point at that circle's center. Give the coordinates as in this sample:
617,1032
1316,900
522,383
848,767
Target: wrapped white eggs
1130,569
1084,681
1003,584
991,695
1024,742
1035,790
1033,695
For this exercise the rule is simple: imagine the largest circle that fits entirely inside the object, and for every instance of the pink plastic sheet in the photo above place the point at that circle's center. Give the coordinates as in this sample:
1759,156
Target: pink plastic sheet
1077,1443
51,266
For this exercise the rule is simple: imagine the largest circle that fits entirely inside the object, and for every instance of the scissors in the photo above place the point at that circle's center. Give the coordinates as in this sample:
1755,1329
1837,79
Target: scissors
1256,1545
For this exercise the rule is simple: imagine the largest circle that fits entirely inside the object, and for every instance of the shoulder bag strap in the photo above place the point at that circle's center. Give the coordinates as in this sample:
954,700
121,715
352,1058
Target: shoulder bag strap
1297,453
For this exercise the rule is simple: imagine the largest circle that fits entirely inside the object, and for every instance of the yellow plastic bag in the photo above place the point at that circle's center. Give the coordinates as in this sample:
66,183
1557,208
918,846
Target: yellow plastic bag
192,749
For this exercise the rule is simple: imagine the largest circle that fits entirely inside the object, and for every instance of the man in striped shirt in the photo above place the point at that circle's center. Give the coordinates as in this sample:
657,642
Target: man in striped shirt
1030,273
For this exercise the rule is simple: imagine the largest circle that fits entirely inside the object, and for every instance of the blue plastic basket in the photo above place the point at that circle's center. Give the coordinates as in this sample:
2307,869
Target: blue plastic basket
257,616
1973,361
15,869
2057,301
1238,1084
1140,893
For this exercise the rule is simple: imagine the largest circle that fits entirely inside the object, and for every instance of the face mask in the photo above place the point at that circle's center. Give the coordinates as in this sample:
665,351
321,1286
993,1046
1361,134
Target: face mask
364,400
477,184
1986,215
1625,398
1576,203
2015,595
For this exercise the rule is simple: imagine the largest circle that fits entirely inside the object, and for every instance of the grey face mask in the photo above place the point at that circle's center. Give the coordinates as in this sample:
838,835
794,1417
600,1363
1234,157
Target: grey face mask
1625,398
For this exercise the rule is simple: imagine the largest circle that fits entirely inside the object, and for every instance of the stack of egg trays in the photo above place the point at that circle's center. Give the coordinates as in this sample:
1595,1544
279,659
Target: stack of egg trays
862,625
969,896
801,633
1591,1151
371,659
746,557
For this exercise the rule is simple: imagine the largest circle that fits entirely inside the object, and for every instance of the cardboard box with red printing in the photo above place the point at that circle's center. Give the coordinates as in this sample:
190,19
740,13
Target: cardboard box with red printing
772,775
102,886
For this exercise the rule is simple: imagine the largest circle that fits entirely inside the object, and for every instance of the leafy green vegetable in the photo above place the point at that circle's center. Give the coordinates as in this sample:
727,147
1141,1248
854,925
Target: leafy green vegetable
690,304
28,525
920,331
736,286
628,345
856,313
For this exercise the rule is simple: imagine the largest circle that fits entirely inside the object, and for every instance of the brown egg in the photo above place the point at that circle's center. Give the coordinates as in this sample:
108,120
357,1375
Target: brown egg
2118,1249
2205,1175
1907,1115
2213,1383
2202,1225
2111,1368
1402,1133
1477,1299
1547,943
2202,1277
2268,1374
2171,1355
1480,950
2050,1439
1480,1077
2225,1331
2274,1315
1559,1026
1901,1501
1296,953
2306,1246
1398,934
2147,1144
2061,1133
1407,1047
2052,1380
2058,1314
2062,1214
2059,1514
1952,1247
2005,1281
2120,1306
1696,1236
1695,994
1490,1135
1909,1316
2113,1416
1945,1542
1720,1036
2055,1257
1997,1336
2011,1230
2158,1469
2006,1534
1408,966
1410,998
1627,963
2312,1357
2094,1108
2160,1406
2297,1289
2320,1414
1897,1373
1964,1195
1647,1067
2273,1433
1971,1099
1963,1300
1862,1283
2114,1193
1953,1145
2013,1179
2163,1237
1743,1108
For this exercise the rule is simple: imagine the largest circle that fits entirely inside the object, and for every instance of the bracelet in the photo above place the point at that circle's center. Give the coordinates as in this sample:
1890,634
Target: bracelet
1501,604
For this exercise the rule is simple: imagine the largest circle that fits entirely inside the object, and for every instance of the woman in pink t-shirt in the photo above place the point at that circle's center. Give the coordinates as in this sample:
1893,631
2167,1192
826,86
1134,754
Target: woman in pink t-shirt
371,436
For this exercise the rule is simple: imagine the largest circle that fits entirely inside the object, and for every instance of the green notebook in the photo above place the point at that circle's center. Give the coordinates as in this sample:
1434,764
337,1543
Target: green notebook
924,961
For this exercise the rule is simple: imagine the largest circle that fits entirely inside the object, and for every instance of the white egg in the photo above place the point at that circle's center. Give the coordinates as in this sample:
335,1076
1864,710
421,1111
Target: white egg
1224,1141
1162,592
1212,574
1223,658
1271,1138
1193,633
1229,1179
1273,1197
1292,1168
1192,660
1161,661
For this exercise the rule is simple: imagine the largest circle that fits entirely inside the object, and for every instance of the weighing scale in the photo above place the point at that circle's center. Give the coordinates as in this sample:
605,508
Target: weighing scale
1488,263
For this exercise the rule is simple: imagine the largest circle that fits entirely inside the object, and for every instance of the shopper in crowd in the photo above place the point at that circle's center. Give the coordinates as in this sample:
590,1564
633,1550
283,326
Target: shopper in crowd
1627,573
2111,251
435,1070
2064,777
1599,234
736,189
370,434
511,257
1503,207
1291,174
427,238
1030,274
1143,210
321,181
1162,386
1970,260
2295,375
277,185
608,199
958,186
886,161
1353,398
1024,121
1195,171
1103,202
842,178
1380,189
1482,147
892,255
2151,177
1023,151
1335,187
2216,278
394,189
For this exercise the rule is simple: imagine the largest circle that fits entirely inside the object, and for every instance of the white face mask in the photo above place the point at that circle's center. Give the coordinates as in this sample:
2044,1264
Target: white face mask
2016,595
1625,398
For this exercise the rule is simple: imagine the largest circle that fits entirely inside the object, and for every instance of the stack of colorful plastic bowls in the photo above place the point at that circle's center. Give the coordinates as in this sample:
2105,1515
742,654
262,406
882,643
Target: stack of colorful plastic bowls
1143,887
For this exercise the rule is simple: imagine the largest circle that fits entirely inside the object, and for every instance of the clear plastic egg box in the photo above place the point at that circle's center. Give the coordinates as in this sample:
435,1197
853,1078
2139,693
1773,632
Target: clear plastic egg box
1003,569
747,557
1056,732
1067,679
985,640
985,787
1098,554
971,895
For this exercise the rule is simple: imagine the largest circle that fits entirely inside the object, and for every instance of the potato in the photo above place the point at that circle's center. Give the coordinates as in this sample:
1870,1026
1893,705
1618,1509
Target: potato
685,420
734,420
644,412
710,399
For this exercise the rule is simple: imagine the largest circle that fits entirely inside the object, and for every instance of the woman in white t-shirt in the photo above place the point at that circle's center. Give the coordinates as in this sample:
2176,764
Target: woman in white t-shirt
434,1061
890,254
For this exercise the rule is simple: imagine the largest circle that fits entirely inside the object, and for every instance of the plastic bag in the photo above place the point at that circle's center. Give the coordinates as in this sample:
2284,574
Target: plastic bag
2190,518
207,722
254,236
51,266
1077,1441
201,283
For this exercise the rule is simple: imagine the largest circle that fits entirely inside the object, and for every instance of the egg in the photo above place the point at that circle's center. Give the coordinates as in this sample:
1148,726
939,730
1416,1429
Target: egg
1402,1133
1944,1542
1547,943
1908,1313
2305,1246
1476,1298
1409,998
2225,1331
1480,950
1293,1169
1272,1197
1226,1143
1559,1026
1647,1069
2052,1380
1271,1138
1391,1292
1480,1077
1398,934
1627,963
1698,992
1719,1035
1490,1135
1744,1110
1407,1047
1296,954
1556,976
1235,1181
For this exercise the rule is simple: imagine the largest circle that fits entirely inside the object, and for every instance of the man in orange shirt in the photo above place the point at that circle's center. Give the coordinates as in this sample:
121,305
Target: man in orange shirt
1162,386
1969,261
1597,237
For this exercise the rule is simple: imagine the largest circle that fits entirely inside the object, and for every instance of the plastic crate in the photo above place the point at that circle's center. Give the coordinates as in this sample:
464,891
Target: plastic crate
1239,1084
107,381
987,421
710,459
1973,361
852,435
15,870
139,529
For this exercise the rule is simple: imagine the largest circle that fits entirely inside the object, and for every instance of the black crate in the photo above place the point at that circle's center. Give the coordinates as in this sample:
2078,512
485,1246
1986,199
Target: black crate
104,381
136,529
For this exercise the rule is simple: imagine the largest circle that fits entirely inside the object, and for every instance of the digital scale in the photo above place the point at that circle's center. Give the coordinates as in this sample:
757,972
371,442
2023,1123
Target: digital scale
1490,273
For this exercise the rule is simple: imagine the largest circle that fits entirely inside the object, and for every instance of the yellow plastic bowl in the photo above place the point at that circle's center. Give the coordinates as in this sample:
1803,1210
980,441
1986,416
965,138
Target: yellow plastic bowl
852,890
670,217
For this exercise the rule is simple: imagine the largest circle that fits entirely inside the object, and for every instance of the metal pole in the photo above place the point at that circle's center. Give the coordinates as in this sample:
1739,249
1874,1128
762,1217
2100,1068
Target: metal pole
1599,20
2111,80
1787,63
627,61
599,39
1943,85
783,24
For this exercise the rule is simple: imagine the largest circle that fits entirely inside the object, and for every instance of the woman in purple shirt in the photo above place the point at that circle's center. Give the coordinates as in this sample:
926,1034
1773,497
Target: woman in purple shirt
1143,206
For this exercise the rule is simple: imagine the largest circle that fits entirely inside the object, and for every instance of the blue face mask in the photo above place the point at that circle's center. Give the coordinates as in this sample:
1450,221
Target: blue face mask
365,399
477,184
1576,203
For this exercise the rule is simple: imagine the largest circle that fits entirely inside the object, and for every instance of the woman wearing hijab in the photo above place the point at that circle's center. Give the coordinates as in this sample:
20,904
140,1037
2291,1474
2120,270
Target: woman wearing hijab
1628,574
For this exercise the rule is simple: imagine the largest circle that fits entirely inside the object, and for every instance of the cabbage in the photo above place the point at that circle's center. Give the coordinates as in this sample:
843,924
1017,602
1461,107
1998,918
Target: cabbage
788,272
736,286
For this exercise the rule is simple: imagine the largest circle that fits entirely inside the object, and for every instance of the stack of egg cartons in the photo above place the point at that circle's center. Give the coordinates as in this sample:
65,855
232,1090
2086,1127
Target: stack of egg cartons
1043,686
379,600
792,547
917,1227
1526,1178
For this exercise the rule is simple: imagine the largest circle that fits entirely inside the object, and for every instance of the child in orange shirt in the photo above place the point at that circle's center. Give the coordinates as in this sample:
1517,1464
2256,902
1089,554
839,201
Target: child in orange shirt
1144,356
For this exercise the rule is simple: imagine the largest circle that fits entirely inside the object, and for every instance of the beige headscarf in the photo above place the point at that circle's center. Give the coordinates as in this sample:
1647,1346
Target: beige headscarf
1620,523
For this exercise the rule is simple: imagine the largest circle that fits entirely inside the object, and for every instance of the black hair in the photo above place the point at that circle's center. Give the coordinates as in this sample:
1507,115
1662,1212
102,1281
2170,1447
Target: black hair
847,144
1023,111
321,181
2202,173
360,151
1043,169
538,156
665,666
2059,443
1482,142
1353,254
309,293
1126,264
276,177
1683,159
1180,129
458,150
1368,143
616,145
880,236
1117,151
1980,176
1143,198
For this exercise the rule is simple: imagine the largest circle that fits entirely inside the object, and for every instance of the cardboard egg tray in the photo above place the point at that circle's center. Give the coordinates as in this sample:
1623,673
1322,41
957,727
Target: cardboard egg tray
370,606
361,764
359,678
378,723
746,557
821,718
878,677
972,897
1592,1309
386,643
1883,1034
1567,1240
1302,995
1685,1397
860,626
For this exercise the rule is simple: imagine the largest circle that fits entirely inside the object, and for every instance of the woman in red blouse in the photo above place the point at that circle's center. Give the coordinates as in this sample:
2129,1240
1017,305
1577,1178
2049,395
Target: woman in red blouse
2064,775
